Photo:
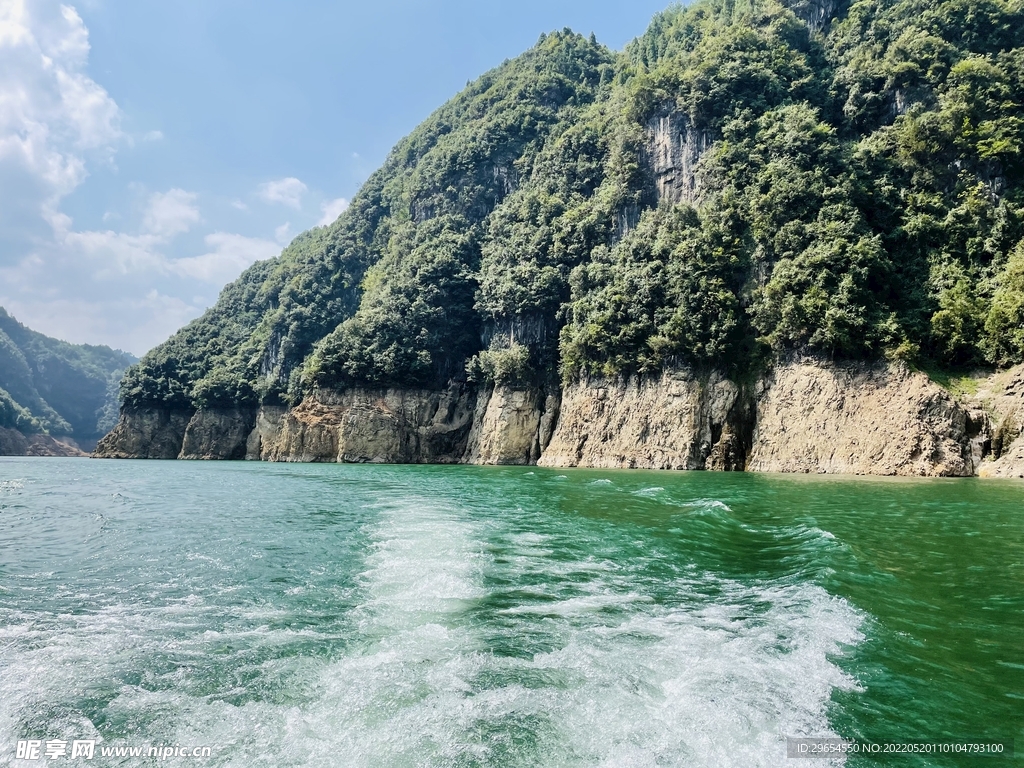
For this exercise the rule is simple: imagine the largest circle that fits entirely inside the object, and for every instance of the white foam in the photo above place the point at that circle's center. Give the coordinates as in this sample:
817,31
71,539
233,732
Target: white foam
707,505
706,687
575,606
652,492
622,679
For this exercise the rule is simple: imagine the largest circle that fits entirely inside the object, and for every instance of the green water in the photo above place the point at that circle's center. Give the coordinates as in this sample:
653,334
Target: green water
337,615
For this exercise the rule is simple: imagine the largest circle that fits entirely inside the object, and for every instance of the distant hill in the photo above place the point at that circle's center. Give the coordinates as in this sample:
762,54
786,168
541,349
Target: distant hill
50,387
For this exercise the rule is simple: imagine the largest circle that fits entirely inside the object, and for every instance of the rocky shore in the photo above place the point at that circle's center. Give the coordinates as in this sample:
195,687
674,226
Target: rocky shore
806,416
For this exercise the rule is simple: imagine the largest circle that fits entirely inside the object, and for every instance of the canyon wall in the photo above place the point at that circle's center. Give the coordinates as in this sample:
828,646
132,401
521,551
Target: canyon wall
856,419
1003,396
676,421
805,416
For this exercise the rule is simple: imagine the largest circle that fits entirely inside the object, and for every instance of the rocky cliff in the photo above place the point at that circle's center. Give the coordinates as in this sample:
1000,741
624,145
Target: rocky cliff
805,416
359,425
676,421
512,426
367,425
856,419
145,433
1002,396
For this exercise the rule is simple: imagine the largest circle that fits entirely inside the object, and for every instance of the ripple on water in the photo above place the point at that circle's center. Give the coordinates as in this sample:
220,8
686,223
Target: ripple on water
650,493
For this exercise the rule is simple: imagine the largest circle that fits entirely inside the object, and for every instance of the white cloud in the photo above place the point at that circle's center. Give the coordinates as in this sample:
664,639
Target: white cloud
170,213
116,253
131,281
125,290
282,234
52,115
229,255
238,204
155,317
331,210
111,255
287,191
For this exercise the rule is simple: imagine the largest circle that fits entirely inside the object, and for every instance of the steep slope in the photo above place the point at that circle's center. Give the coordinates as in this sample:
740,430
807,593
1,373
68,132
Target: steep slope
50,387
747,182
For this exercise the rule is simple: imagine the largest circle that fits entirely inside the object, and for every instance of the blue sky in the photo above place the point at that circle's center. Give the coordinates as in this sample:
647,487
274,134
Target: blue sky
150,151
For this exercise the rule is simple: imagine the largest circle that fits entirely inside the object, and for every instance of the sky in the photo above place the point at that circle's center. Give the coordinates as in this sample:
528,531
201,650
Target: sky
151,151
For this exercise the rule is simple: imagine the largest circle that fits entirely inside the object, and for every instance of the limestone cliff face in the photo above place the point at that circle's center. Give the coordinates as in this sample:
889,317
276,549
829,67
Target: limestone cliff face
218,434
673,150
512,426
675,421
1002,395
817,13
145,434
880,420
363,425
805,416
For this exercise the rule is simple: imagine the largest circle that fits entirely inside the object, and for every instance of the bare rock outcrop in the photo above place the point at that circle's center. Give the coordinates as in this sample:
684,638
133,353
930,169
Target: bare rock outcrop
1002,395
219,433
1009,464
815,13
806,416
364,425
512,426
152,433
673,150
674,421
858,419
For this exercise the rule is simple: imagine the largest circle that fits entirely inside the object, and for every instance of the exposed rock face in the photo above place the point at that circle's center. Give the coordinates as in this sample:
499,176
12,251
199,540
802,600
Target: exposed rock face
512,426
882,420
804,416
1003,397
676,421
14,443
360,425
217,434
816,13
674,148
1010,464
145,434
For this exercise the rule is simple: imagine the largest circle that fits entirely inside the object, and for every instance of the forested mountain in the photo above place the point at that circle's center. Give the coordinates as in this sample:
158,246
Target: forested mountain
748,179
53,387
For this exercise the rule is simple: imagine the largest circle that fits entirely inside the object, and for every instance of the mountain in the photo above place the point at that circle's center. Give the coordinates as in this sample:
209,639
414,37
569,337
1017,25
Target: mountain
50,388
749,185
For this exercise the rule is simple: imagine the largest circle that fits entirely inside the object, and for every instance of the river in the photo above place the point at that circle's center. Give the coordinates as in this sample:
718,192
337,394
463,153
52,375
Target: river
367,615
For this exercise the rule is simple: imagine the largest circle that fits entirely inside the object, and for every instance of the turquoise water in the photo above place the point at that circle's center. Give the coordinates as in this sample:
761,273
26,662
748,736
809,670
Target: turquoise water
341,615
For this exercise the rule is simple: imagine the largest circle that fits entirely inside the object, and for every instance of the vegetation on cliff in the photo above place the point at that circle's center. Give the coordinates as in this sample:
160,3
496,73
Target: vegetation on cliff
748,178
53,387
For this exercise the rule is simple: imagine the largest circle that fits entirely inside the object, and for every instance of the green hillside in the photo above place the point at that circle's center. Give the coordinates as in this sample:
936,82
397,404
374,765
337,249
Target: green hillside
745,180
50,386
